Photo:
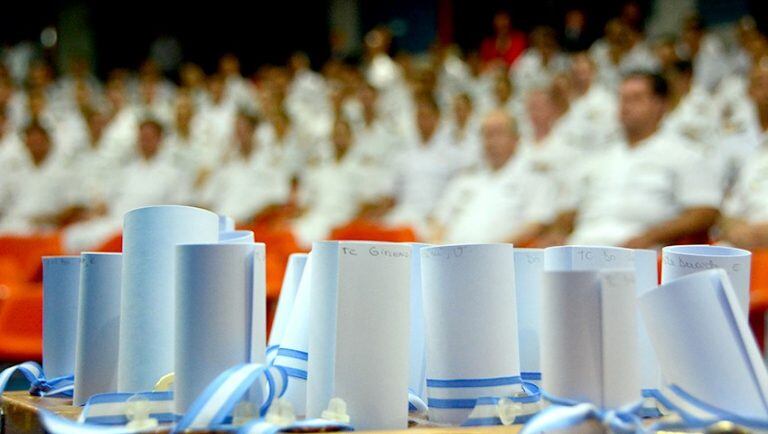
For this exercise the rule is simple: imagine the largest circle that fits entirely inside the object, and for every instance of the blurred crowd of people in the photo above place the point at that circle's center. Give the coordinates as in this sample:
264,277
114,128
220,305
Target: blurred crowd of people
536,139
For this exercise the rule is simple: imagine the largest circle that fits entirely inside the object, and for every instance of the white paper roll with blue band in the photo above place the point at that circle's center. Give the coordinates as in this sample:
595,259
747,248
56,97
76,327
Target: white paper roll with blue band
529,267
98,329
61,286
216,292
288,290
147,334
467,360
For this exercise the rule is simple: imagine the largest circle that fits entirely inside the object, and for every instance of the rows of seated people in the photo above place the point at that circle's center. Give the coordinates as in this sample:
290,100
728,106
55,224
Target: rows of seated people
629,142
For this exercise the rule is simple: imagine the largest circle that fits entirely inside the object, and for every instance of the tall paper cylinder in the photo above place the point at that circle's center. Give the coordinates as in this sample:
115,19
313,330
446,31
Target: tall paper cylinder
372,327
294,347
474,281
704,344
98,325
323,299
679,261
647,278
288,290
589,337
214,298
147,334
417,380
61,285
234,237
529,267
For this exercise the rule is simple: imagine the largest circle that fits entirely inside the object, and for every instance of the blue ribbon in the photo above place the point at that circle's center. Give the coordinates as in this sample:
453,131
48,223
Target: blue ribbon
39,385
292,372
211,409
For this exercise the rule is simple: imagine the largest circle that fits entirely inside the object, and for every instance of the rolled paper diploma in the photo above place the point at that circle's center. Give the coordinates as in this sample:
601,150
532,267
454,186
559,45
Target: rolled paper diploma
98,325
704,344
147,333
467,360
214,300
677,261
589,337
372,328
646,279
288,290
293,353
323,300
529,268
417,380
61,286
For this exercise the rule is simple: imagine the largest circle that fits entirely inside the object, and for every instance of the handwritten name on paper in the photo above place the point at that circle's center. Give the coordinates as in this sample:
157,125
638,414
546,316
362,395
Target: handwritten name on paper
603,256
533,259
615,279
375,251
446,253
705,264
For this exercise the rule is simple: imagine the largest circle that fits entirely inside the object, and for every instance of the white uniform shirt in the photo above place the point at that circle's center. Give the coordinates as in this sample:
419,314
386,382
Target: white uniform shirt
630,190
487,206
529,71
748,200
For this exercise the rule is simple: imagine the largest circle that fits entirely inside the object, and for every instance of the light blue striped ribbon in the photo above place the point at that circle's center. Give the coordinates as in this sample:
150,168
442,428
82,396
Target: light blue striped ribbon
484,409
212,409
301,374
696,413
272,354
416,405
39,385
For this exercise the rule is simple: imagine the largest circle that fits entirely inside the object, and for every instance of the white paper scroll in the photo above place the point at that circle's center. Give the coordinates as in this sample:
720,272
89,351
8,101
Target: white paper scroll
529,267
294,347
236,237
470,314
216,287
646,279
589,337
226,223
61,284
574,258
98,323
323,300
678,261
288,290
417,367
704,344
150,236
372,328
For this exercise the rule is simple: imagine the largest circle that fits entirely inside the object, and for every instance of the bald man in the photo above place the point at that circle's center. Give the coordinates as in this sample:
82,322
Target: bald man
506,200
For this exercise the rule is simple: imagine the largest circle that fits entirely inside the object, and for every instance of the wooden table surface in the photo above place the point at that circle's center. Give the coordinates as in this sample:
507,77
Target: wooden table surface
20,417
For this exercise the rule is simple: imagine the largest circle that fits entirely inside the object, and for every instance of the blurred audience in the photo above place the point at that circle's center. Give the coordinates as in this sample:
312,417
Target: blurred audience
536,139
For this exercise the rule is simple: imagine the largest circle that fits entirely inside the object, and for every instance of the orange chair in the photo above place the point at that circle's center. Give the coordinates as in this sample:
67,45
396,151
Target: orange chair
21,321
23,253
758,305
114,244
366,230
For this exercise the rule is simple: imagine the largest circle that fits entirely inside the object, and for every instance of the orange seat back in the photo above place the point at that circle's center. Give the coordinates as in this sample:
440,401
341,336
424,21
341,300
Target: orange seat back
21,322
24,253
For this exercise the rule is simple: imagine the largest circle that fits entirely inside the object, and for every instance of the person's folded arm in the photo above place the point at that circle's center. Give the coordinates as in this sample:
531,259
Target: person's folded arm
691,221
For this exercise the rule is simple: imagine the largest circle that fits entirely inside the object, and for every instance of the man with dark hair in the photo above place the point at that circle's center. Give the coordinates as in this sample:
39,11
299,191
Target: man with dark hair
649,190
42,195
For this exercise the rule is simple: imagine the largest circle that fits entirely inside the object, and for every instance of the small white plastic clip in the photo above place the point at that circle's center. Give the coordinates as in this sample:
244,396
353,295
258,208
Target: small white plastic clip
137,411
508,410
280,413
244,412
337,411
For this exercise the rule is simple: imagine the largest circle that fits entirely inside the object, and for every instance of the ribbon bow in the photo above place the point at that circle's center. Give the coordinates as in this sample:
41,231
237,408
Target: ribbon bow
39,385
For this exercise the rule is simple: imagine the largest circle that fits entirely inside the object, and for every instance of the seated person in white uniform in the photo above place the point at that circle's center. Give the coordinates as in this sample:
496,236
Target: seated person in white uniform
507,200
332,192
41,194
424,170
248,182
745,210
148,180
651,189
